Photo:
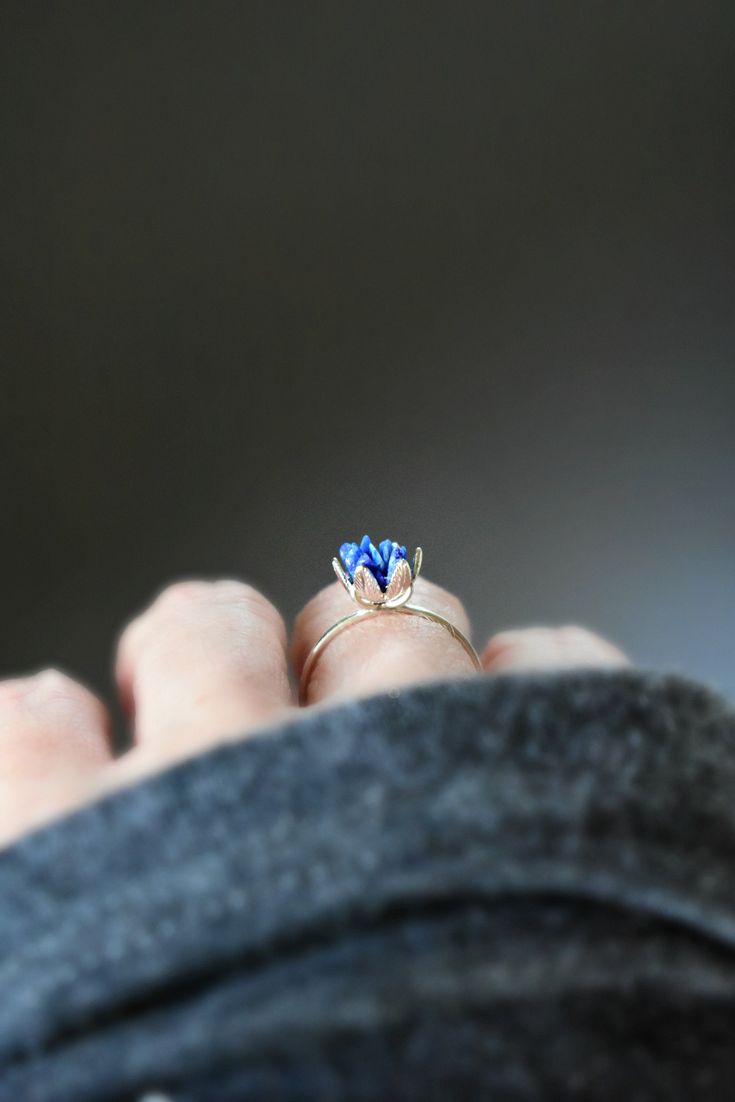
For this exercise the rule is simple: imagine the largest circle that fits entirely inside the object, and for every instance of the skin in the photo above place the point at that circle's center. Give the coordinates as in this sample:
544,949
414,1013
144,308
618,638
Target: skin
210,661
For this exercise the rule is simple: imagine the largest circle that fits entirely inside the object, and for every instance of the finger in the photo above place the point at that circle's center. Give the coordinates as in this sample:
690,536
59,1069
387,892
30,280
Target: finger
550,649
54,744
205,661
383,651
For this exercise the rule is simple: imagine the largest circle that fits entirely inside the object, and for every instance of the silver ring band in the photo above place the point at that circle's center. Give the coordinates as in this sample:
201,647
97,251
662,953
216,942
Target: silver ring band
361,614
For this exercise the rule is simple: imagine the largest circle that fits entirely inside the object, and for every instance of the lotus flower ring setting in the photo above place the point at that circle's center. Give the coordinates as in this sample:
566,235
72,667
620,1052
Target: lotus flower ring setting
379,579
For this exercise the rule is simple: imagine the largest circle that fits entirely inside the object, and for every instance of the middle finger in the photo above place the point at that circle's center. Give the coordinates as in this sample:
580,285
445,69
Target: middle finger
206,660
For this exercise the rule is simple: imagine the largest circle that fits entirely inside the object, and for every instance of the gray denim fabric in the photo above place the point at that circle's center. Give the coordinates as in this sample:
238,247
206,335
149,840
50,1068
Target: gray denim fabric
508,888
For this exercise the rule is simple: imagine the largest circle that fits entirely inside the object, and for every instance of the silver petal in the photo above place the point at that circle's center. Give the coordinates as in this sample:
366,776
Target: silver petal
400,582
342,574
418,558
367,588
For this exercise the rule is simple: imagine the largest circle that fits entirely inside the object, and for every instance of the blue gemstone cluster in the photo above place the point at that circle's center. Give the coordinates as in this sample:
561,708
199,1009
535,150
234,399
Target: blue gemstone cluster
380,561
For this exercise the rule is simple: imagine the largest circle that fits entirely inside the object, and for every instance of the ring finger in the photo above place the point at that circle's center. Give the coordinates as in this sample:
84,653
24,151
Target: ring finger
382,651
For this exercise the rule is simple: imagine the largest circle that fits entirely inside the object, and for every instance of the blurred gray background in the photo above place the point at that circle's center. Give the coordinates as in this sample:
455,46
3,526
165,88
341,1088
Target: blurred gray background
461,274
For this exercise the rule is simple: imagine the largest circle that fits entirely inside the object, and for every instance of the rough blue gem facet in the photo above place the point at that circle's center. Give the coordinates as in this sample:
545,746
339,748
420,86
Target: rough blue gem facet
380,561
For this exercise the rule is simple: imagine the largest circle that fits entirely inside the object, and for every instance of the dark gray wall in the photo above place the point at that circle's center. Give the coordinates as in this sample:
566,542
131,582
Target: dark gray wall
273,274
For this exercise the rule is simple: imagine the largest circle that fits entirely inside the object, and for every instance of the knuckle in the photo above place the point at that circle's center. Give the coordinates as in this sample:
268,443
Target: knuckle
574,633
185,592
188,609
168,603
587,644
506,642
49,682
53,681
249,606
506,639
574,637
234,591
48,696
220,592
174,602
58,688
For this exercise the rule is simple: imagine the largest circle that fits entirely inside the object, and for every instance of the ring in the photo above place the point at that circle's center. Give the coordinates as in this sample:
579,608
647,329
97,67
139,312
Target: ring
379,580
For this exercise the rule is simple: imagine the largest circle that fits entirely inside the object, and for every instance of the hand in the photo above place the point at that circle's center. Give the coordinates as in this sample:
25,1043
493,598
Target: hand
208,661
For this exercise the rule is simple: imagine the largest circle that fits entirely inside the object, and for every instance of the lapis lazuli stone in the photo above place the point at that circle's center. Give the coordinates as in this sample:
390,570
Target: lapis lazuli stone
380,561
